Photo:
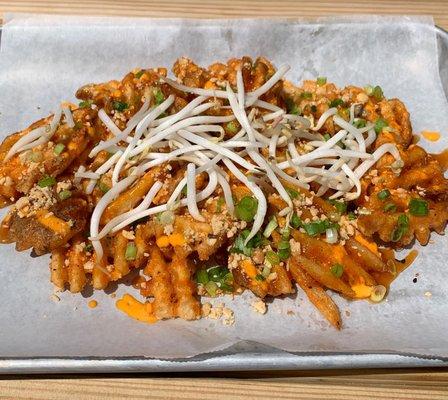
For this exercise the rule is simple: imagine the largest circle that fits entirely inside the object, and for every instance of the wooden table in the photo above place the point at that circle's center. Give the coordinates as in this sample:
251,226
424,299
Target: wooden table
360,384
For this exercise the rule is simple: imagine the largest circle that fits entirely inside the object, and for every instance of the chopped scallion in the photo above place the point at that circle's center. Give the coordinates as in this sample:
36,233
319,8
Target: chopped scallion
284,249
337,270
219,204
103,187
418,207
340,206
46,181
240,248
292,193
321,80
85,104
158,96
336,103
295,221
292,107
202,276
211,288
351,216
232,127
270,227
246,208
377,92
272,258
65,194
380,124
360,123
383,194
401,229
120,106
131,252
59,148
307,95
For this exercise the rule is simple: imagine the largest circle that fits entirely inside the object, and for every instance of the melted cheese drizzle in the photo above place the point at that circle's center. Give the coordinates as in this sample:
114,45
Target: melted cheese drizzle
53,223
431,136
135,309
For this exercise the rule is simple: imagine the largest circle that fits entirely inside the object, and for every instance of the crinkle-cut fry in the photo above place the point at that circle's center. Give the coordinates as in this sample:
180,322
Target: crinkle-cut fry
188,306
58,272
100,275
161,286
282,283
142,240
76,259
355,273
316,294
325,255
130,198
324,276
121,265
364,256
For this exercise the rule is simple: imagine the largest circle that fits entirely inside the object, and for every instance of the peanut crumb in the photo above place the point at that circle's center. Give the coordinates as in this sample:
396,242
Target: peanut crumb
259,306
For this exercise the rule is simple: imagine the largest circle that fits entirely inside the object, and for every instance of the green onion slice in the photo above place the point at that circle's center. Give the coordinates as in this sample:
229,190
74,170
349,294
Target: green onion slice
418,207
246,208
59,148
321,80
383,194
120,105
380,124
272,258
336,103
337,270
284,249
131,252
65,194
46,181
270,227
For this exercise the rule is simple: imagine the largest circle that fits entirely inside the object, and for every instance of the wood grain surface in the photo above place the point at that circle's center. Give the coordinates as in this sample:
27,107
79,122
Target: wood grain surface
431,384
231,8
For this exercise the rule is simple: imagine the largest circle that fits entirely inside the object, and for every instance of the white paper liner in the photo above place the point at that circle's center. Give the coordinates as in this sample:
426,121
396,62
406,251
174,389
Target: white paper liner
44,59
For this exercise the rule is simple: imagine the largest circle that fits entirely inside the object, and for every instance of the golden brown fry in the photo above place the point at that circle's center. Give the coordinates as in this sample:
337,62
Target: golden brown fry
316,294
58,271
76,258
282,283
323,275
100,276
365,256
131,197
326,255
188,306
121,265
355,273
161,287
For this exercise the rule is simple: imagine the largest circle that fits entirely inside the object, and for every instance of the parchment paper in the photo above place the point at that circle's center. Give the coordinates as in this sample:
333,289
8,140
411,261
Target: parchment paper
44,59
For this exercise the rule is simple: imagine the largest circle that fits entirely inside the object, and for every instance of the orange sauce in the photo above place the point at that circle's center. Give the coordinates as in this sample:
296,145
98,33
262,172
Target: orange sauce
249,269
362,291
431,135
92,303
176,239
4,234
136,309
53,223
442,158
386,278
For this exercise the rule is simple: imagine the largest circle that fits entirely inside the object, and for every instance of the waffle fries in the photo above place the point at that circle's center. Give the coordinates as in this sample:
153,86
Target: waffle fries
229,178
